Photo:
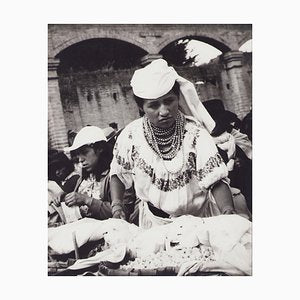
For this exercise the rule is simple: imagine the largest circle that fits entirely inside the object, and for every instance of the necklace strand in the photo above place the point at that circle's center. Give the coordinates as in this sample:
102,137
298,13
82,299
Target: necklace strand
165,142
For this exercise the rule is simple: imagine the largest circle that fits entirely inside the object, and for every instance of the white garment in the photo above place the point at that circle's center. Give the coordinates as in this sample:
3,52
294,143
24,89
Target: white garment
178,193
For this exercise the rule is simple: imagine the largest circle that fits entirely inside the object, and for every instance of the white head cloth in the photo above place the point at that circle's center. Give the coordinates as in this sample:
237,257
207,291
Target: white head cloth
157,79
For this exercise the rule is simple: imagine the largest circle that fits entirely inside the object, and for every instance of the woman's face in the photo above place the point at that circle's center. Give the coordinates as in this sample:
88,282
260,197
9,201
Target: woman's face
163,110
88,158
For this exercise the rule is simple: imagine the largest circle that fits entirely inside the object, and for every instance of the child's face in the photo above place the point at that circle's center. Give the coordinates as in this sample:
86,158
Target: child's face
88,158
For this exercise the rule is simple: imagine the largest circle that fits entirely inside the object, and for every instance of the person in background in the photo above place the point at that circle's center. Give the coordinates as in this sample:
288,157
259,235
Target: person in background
169,157
61,170
246,125
114,126
240,174
71,136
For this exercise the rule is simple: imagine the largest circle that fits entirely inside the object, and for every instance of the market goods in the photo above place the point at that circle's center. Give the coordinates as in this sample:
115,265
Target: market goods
187,245
170,258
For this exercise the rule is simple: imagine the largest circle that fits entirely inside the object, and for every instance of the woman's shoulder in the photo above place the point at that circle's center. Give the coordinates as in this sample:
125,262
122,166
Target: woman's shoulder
133,125
193,125
131,129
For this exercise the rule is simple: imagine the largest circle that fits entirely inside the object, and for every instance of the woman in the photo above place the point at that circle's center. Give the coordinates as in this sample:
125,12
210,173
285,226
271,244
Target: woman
170,158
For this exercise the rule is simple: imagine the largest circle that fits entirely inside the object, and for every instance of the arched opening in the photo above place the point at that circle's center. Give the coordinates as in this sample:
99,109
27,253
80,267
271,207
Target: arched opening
202,52
198,62
191,51
246,47
99,54
94,77
203,64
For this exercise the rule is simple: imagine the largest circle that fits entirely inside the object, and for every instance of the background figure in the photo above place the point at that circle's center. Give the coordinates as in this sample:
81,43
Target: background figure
71,137
241,175
225,119
61,170
246,125
114,126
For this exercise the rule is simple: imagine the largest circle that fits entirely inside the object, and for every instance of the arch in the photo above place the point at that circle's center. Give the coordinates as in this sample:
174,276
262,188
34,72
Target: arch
246,37
84,37
211,40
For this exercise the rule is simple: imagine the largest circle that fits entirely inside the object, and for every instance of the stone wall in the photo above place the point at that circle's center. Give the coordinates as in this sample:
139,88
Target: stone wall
97,98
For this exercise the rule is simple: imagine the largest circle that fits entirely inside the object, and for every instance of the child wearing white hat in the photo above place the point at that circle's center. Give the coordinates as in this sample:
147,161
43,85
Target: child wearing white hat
92,194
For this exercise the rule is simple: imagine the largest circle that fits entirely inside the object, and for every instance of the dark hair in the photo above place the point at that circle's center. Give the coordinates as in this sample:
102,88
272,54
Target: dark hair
103,163
140,101
57,161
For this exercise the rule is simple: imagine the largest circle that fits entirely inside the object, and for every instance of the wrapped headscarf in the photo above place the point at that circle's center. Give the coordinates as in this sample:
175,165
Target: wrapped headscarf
157,79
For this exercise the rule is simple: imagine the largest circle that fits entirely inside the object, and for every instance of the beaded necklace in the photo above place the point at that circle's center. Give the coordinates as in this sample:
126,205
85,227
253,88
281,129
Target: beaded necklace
166,142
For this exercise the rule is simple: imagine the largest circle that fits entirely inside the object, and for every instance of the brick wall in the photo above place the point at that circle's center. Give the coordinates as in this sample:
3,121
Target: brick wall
236,90
57,137
98,98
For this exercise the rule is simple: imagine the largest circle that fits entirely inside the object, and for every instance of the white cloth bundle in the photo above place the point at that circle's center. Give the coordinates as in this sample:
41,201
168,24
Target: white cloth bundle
60,239
228,235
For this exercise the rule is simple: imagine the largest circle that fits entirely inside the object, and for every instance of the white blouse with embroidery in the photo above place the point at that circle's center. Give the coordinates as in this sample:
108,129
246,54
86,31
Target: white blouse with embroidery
179,186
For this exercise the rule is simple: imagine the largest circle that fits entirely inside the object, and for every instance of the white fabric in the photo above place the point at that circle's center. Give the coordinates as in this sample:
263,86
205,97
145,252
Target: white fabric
228,235
115,254
190,96
147,219
243,142
60,238
226,142
154,80
87,135
134,161
230,238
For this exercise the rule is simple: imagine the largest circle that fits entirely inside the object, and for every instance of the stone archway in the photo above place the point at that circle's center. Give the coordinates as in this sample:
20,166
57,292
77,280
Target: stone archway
93,97
59,43
210,40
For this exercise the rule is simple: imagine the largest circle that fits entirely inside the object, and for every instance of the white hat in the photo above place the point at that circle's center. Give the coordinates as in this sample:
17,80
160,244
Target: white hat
154,80
157,79
87,135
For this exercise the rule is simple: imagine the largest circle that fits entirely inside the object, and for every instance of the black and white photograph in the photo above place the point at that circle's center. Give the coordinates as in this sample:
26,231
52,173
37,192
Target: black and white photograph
150,150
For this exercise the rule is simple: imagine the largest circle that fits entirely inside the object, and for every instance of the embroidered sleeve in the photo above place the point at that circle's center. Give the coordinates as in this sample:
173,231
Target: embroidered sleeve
210,166
122,163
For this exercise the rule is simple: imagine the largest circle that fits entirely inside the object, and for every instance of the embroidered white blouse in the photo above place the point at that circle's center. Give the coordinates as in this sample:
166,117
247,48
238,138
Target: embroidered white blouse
179,186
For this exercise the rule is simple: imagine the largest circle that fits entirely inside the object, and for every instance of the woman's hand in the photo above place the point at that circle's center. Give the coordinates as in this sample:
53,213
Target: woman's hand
59,198
75,198
119,214
56,201
223,198
117,210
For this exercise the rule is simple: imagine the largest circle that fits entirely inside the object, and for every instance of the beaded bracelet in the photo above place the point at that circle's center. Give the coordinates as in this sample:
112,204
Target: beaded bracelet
115,208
